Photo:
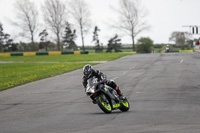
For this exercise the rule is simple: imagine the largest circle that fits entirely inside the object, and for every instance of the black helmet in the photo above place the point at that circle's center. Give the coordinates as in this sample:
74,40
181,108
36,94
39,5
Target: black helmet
87,71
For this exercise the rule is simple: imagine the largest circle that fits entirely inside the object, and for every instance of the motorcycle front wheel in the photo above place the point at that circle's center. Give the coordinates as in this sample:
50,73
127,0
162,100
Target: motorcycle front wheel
104,104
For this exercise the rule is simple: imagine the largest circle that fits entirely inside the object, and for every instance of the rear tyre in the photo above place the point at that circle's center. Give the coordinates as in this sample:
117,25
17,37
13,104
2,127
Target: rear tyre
104,104
124,105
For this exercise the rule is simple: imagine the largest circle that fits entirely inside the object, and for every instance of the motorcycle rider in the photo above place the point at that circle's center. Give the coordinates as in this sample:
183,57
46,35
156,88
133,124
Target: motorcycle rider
167,48
89,72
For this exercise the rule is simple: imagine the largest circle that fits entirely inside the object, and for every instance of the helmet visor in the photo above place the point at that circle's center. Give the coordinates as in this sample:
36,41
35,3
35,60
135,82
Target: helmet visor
87,73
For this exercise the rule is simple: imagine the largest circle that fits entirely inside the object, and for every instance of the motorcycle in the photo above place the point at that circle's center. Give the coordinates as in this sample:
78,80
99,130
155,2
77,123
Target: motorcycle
105,97
167,49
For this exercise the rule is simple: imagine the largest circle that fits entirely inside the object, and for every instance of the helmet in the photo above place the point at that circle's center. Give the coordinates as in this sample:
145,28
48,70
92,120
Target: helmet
87,71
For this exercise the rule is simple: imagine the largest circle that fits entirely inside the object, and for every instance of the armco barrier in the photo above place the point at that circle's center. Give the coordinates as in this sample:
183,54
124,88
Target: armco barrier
77,52
182,51
7,54
43,53
86,52
67,52
54,53
30,54
16,54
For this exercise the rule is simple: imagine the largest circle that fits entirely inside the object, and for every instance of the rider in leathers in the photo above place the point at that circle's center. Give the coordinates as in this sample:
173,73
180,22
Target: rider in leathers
89,72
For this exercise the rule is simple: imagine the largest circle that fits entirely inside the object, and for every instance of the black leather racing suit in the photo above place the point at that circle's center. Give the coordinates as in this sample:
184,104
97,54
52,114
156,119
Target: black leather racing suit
102,77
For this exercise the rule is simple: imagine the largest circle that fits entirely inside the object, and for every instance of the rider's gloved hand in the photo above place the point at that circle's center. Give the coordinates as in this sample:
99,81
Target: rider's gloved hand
102,82
103,79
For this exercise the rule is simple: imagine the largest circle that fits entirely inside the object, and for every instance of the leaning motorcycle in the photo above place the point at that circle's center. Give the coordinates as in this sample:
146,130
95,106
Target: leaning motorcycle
105,97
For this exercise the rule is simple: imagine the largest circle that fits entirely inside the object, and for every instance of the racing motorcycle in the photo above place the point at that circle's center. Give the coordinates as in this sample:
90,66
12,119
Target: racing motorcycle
105,97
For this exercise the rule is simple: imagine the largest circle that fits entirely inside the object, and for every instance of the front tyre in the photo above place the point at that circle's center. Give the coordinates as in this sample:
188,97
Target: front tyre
104,104
124,105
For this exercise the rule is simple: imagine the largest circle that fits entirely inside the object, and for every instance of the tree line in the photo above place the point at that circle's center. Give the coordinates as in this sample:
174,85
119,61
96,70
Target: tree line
57,15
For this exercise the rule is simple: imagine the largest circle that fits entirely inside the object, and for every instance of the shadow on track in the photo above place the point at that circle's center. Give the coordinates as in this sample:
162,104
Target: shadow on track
114,112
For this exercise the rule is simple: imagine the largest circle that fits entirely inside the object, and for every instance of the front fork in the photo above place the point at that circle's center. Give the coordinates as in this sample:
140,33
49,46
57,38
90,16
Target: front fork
95,97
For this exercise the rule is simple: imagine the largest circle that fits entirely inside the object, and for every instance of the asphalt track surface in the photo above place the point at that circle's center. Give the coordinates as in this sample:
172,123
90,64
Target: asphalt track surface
163,91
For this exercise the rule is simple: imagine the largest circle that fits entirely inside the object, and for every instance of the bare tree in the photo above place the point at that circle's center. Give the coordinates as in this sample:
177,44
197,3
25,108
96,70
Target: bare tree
131,18
54,16
180,38
81,14
27,18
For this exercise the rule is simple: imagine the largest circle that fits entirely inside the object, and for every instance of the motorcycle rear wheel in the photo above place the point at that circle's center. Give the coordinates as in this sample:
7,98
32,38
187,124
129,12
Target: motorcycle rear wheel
104,105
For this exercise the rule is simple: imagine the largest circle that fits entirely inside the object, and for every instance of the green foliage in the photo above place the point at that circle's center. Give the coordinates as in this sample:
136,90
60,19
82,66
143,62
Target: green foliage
22,46
5,42
158,46
69,37
114,43
98,48
183,47
189,43
44,43
189,48
144,44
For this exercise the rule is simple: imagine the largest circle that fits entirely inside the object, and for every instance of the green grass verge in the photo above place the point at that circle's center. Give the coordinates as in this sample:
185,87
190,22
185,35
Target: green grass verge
14,74
67,58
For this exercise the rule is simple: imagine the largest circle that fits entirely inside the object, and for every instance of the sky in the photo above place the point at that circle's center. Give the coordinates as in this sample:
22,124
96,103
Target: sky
164,17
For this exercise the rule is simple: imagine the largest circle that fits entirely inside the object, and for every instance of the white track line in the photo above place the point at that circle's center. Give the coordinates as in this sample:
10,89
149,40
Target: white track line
122,73
131,68
115,78
181,61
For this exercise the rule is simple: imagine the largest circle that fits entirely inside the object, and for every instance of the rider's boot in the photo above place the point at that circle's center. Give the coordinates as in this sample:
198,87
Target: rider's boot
121,97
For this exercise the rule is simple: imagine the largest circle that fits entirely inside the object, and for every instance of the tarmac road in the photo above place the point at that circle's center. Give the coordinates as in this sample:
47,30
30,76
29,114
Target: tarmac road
163,91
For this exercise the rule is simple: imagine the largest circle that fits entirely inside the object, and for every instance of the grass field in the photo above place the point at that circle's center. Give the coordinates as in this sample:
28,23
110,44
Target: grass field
67,58
14,74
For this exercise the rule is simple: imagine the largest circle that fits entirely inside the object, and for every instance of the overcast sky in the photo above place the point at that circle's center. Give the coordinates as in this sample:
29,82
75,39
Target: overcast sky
164,17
